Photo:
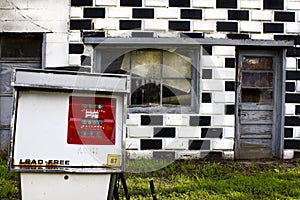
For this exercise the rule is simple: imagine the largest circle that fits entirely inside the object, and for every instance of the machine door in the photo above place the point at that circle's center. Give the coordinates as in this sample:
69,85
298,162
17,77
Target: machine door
255,96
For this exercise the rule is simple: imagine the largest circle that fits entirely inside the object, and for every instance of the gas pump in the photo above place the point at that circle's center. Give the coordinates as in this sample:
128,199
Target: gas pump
67,133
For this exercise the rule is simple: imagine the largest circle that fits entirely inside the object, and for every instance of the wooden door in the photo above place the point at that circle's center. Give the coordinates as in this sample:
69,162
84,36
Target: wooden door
255,96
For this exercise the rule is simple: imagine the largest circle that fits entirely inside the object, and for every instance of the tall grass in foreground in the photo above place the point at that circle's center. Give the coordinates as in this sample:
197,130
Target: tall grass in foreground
8,182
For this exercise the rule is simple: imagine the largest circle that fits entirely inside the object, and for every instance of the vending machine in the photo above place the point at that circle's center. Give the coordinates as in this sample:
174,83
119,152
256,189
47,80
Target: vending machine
67,133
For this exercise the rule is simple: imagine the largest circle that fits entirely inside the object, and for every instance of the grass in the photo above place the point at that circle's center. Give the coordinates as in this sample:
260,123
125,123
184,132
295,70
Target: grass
198,179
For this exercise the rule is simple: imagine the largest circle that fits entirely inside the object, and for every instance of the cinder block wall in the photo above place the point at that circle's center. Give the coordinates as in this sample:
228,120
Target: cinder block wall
209,133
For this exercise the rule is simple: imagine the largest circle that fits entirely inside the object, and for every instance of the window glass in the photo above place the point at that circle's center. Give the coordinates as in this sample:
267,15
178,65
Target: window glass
21,46
159,77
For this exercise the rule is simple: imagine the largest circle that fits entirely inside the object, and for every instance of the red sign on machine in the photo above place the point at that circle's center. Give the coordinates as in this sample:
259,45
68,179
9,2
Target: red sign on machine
91,120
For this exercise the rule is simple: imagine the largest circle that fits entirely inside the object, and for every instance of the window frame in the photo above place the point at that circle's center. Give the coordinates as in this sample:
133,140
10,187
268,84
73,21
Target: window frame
195,77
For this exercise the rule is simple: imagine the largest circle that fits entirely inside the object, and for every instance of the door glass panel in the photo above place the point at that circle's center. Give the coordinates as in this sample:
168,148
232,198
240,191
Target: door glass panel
257,63
255,95
257,79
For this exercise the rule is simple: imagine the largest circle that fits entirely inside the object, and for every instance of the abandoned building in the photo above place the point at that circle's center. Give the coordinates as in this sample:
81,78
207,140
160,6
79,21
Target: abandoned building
209,78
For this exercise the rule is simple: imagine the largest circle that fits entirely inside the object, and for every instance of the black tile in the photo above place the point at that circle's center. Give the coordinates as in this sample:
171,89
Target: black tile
151,120
293,52
211,132
151,144
297,110
207,50
78,24
164,155
238,36
191,14
86,60
191,35
93,34
130,24
292,121
143,13
292,75
291,144
206,97
81,2
295,38
199,145
142,34
274,4
226,3
296,154
292,98
94,12
298,63
132,3
76,48
179,3
288,132
179,25
273,28
164,132
229,86
229,109
212,155
200,120
230,62
290,86
227,26
238,14
284,16
207,74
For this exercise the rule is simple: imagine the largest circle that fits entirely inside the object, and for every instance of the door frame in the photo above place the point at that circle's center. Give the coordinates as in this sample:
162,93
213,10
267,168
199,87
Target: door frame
278,96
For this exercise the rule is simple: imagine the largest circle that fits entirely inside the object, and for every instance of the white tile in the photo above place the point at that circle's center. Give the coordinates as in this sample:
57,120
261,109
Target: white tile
224,74
74,60
215,14
56,54
204,26
107,2
289,109
261,15
167,13
229,155
156,3
296,132
175,144
291,63
292,27
298,86
203,3
253,4
133,119
262,36
222,144
123,12
75,36
131,144
228,132
224,50
134,154
211,109
156,25
188,155
223,120
224,97
188,132
111,24
252,27
298,14
176,120
139,132
213,85
212,61
288,154
293,5
76,12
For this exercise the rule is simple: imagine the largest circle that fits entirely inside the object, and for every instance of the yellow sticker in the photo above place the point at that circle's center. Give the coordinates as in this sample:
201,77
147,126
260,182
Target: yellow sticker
113,160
